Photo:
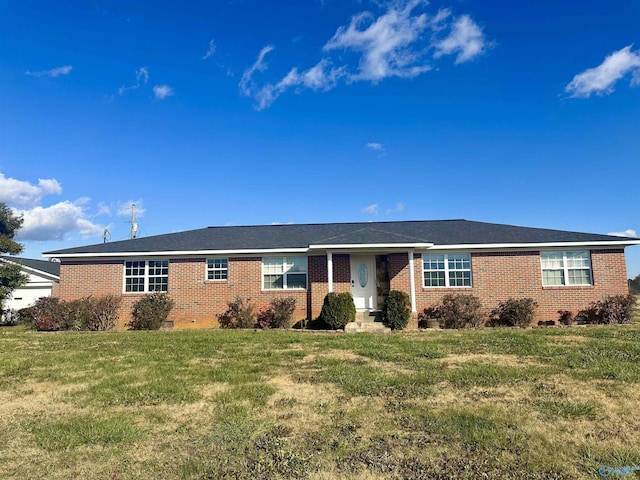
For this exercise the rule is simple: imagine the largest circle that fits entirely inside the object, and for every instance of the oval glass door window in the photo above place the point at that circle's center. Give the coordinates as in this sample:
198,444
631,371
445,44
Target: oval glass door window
363,275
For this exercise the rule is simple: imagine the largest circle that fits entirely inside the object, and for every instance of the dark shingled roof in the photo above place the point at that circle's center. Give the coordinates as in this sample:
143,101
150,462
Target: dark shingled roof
52,268
438,232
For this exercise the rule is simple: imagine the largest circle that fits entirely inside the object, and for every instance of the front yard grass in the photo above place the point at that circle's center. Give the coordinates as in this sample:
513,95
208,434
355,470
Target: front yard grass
554,403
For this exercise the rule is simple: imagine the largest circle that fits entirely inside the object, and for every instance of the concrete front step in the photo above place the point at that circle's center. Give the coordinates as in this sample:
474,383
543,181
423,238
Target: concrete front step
367,315
369,327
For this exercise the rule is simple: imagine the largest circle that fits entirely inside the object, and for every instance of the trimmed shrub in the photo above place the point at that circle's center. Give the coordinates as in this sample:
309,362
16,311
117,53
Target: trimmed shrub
615,309
279,313
240,314
514,313
454,311
338,309
396,310
150,311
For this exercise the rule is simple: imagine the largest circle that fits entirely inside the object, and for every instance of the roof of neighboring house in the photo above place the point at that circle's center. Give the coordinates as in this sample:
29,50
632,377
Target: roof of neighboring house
418,234
52,268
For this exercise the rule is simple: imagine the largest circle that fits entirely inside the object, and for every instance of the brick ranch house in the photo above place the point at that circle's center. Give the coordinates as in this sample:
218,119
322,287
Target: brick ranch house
204,269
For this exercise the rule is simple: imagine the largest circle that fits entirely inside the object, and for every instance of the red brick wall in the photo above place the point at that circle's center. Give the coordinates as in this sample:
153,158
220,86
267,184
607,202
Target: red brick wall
55,287
318,280
496,276
197,301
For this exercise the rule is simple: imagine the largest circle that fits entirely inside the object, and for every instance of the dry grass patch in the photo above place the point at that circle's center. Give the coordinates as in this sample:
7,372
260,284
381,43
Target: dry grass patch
570,339
490,359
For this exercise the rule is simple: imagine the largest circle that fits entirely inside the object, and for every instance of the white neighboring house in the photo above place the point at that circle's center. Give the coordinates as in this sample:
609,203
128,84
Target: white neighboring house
44,277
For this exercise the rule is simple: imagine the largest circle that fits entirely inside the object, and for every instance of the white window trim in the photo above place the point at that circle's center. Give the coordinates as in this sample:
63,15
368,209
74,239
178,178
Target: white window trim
207,270
446,270
285,274
566,269
146,275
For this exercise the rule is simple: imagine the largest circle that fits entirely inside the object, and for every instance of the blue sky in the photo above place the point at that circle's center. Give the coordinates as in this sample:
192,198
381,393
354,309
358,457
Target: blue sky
252,112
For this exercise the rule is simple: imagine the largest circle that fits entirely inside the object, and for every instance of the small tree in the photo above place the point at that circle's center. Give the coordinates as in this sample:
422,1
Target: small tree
396,310
10,274
150,311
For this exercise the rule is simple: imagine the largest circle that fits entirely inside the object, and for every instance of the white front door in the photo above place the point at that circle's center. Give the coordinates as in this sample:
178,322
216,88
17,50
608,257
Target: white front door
363,281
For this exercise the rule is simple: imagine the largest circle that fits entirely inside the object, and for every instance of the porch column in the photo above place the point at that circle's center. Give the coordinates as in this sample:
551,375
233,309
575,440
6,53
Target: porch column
330,270
412,277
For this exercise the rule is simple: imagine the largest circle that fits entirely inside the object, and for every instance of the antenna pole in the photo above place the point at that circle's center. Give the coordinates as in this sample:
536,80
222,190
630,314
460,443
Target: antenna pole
134,225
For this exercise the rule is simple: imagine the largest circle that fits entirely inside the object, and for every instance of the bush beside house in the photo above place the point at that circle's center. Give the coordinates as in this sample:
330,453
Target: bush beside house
279,313
617,309
150,312
454,311
396,311
239,314
338,309
513,313
89,313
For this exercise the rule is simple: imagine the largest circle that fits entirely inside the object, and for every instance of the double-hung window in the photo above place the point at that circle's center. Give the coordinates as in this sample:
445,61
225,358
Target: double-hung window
146,276
284,273
446,269
572,267
217,269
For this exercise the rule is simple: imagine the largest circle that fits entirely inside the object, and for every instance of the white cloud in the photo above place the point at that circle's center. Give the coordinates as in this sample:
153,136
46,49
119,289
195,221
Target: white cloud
54,72
142,77
385,43
465,38
318,77
371,209
162,91
601,79
103,209
377,147
20,193
56,221
627,233
246,84
398,208
211,50
394,43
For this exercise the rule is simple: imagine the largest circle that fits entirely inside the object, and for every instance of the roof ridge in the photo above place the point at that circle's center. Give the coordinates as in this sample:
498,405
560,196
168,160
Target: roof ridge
334,223
400,235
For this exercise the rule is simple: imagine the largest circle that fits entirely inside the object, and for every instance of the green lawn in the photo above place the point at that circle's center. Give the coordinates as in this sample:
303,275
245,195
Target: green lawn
494,403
